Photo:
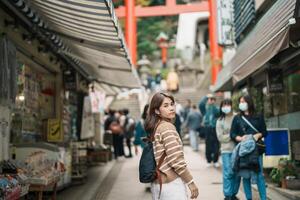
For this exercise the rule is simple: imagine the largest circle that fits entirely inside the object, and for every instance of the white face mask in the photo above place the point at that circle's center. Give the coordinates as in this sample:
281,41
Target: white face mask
226,109
243,106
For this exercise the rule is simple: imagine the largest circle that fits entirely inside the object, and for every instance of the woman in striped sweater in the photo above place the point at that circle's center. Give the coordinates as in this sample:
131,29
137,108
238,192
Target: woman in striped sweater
173,170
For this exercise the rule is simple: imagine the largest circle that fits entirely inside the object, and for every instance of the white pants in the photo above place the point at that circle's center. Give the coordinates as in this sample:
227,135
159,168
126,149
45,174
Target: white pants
175,190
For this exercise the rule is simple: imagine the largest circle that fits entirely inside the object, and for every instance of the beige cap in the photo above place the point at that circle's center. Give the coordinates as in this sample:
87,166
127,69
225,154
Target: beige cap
210,96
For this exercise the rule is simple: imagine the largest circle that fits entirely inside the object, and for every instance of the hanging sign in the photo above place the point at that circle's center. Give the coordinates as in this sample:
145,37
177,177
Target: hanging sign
225,22
88,122
97,101
54,132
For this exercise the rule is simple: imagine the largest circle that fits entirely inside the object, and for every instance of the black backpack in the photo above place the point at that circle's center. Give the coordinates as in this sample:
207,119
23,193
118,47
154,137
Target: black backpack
148,171
147,166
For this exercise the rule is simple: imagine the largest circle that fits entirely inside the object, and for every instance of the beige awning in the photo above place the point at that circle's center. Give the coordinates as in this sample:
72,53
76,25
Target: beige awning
91,32
269,36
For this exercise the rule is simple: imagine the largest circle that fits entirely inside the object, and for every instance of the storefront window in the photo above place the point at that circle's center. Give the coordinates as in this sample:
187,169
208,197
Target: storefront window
293,83
288,101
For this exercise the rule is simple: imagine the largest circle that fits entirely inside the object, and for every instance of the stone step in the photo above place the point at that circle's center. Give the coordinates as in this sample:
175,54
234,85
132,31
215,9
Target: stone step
132,104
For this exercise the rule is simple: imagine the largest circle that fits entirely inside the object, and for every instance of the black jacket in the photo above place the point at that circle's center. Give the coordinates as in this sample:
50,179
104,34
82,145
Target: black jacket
239,127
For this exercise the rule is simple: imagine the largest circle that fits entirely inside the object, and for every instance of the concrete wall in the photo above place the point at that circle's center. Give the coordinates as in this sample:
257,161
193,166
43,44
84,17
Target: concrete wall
187,33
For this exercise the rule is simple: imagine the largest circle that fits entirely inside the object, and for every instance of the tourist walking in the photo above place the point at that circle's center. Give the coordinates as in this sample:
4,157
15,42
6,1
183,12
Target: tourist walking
173,171
231,182
210,113
193,123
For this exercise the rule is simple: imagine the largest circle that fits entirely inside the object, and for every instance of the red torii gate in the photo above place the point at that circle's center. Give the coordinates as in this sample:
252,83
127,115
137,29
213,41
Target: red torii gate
131,12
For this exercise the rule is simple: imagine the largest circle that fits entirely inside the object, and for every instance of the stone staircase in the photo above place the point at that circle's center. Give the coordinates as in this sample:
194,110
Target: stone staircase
131,103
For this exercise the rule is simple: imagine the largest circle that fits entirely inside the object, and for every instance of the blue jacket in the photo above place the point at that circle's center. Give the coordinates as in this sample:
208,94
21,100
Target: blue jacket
193,120
210,113
245,159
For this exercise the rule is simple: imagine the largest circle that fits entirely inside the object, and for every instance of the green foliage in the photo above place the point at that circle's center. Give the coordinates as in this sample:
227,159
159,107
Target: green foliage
149,29
257,96
275,175
235,100
142,3
164,73
285,168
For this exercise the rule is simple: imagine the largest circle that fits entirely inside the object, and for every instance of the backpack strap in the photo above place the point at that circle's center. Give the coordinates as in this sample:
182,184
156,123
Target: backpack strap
158,174
249,124
162,158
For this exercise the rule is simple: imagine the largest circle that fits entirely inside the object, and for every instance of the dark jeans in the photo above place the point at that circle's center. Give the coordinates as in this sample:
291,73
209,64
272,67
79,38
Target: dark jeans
212,145
128,143
118,145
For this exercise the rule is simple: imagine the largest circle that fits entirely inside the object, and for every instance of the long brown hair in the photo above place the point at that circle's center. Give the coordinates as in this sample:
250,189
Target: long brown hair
152,117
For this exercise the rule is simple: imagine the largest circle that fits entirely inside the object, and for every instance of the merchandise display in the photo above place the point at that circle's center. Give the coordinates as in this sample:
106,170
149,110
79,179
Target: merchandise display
9,187
13,182
79,161
40,169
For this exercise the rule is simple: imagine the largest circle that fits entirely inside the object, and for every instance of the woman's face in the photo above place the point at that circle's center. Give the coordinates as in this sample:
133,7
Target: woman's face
243,105
167,109
242,100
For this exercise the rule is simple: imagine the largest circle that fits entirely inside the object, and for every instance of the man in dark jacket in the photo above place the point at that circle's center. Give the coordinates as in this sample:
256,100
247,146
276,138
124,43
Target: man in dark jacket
210,113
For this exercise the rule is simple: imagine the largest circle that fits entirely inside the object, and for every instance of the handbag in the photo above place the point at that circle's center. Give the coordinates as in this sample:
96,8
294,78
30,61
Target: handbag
115,128
260,144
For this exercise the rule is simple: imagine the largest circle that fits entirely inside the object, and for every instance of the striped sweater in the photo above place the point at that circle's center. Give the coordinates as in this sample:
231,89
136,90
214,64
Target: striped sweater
167,140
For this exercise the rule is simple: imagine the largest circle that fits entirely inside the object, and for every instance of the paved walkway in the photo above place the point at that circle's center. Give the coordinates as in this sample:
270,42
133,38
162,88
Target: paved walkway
118,180
127,186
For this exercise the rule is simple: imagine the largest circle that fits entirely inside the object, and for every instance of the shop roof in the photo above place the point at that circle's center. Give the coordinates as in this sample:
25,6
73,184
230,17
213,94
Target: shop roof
269,37
87,32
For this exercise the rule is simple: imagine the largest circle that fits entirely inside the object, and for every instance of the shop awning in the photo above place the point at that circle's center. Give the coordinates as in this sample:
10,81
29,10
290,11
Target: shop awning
269,36
90,31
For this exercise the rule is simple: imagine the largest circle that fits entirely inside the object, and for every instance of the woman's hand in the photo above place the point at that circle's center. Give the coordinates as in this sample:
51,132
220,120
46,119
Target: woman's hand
257,136
238,138
194,190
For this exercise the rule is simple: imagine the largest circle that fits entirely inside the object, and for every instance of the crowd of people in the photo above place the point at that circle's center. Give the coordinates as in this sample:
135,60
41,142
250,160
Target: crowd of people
233,136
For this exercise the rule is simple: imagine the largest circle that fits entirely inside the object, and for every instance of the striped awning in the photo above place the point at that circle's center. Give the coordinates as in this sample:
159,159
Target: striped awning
268,38
90,31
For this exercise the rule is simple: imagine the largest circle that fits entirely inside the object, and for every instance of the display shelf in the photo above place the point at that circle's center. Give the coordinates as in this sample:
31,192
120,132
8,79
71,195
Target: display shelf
79,161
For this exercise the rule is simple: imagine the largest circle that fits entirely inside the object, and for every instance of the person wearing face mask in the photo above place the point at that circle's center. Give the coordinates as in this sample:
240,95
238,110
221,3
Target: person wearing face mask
246,123
231,182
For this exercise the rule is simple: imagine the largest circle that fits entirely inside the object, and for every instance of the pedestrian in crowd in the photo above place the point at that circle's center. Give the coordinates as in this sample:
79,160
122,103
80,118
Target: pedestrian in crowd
246,127
167,145
128,127
173,81
193,123
210,113
119,115
231,182
109,118
186,109
112,124
140,132
179,110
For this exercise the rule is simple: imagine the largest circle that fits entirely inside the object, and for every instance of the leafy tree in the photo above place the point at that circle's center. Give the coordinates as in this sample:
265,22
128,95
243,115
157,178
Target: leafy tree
149,29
